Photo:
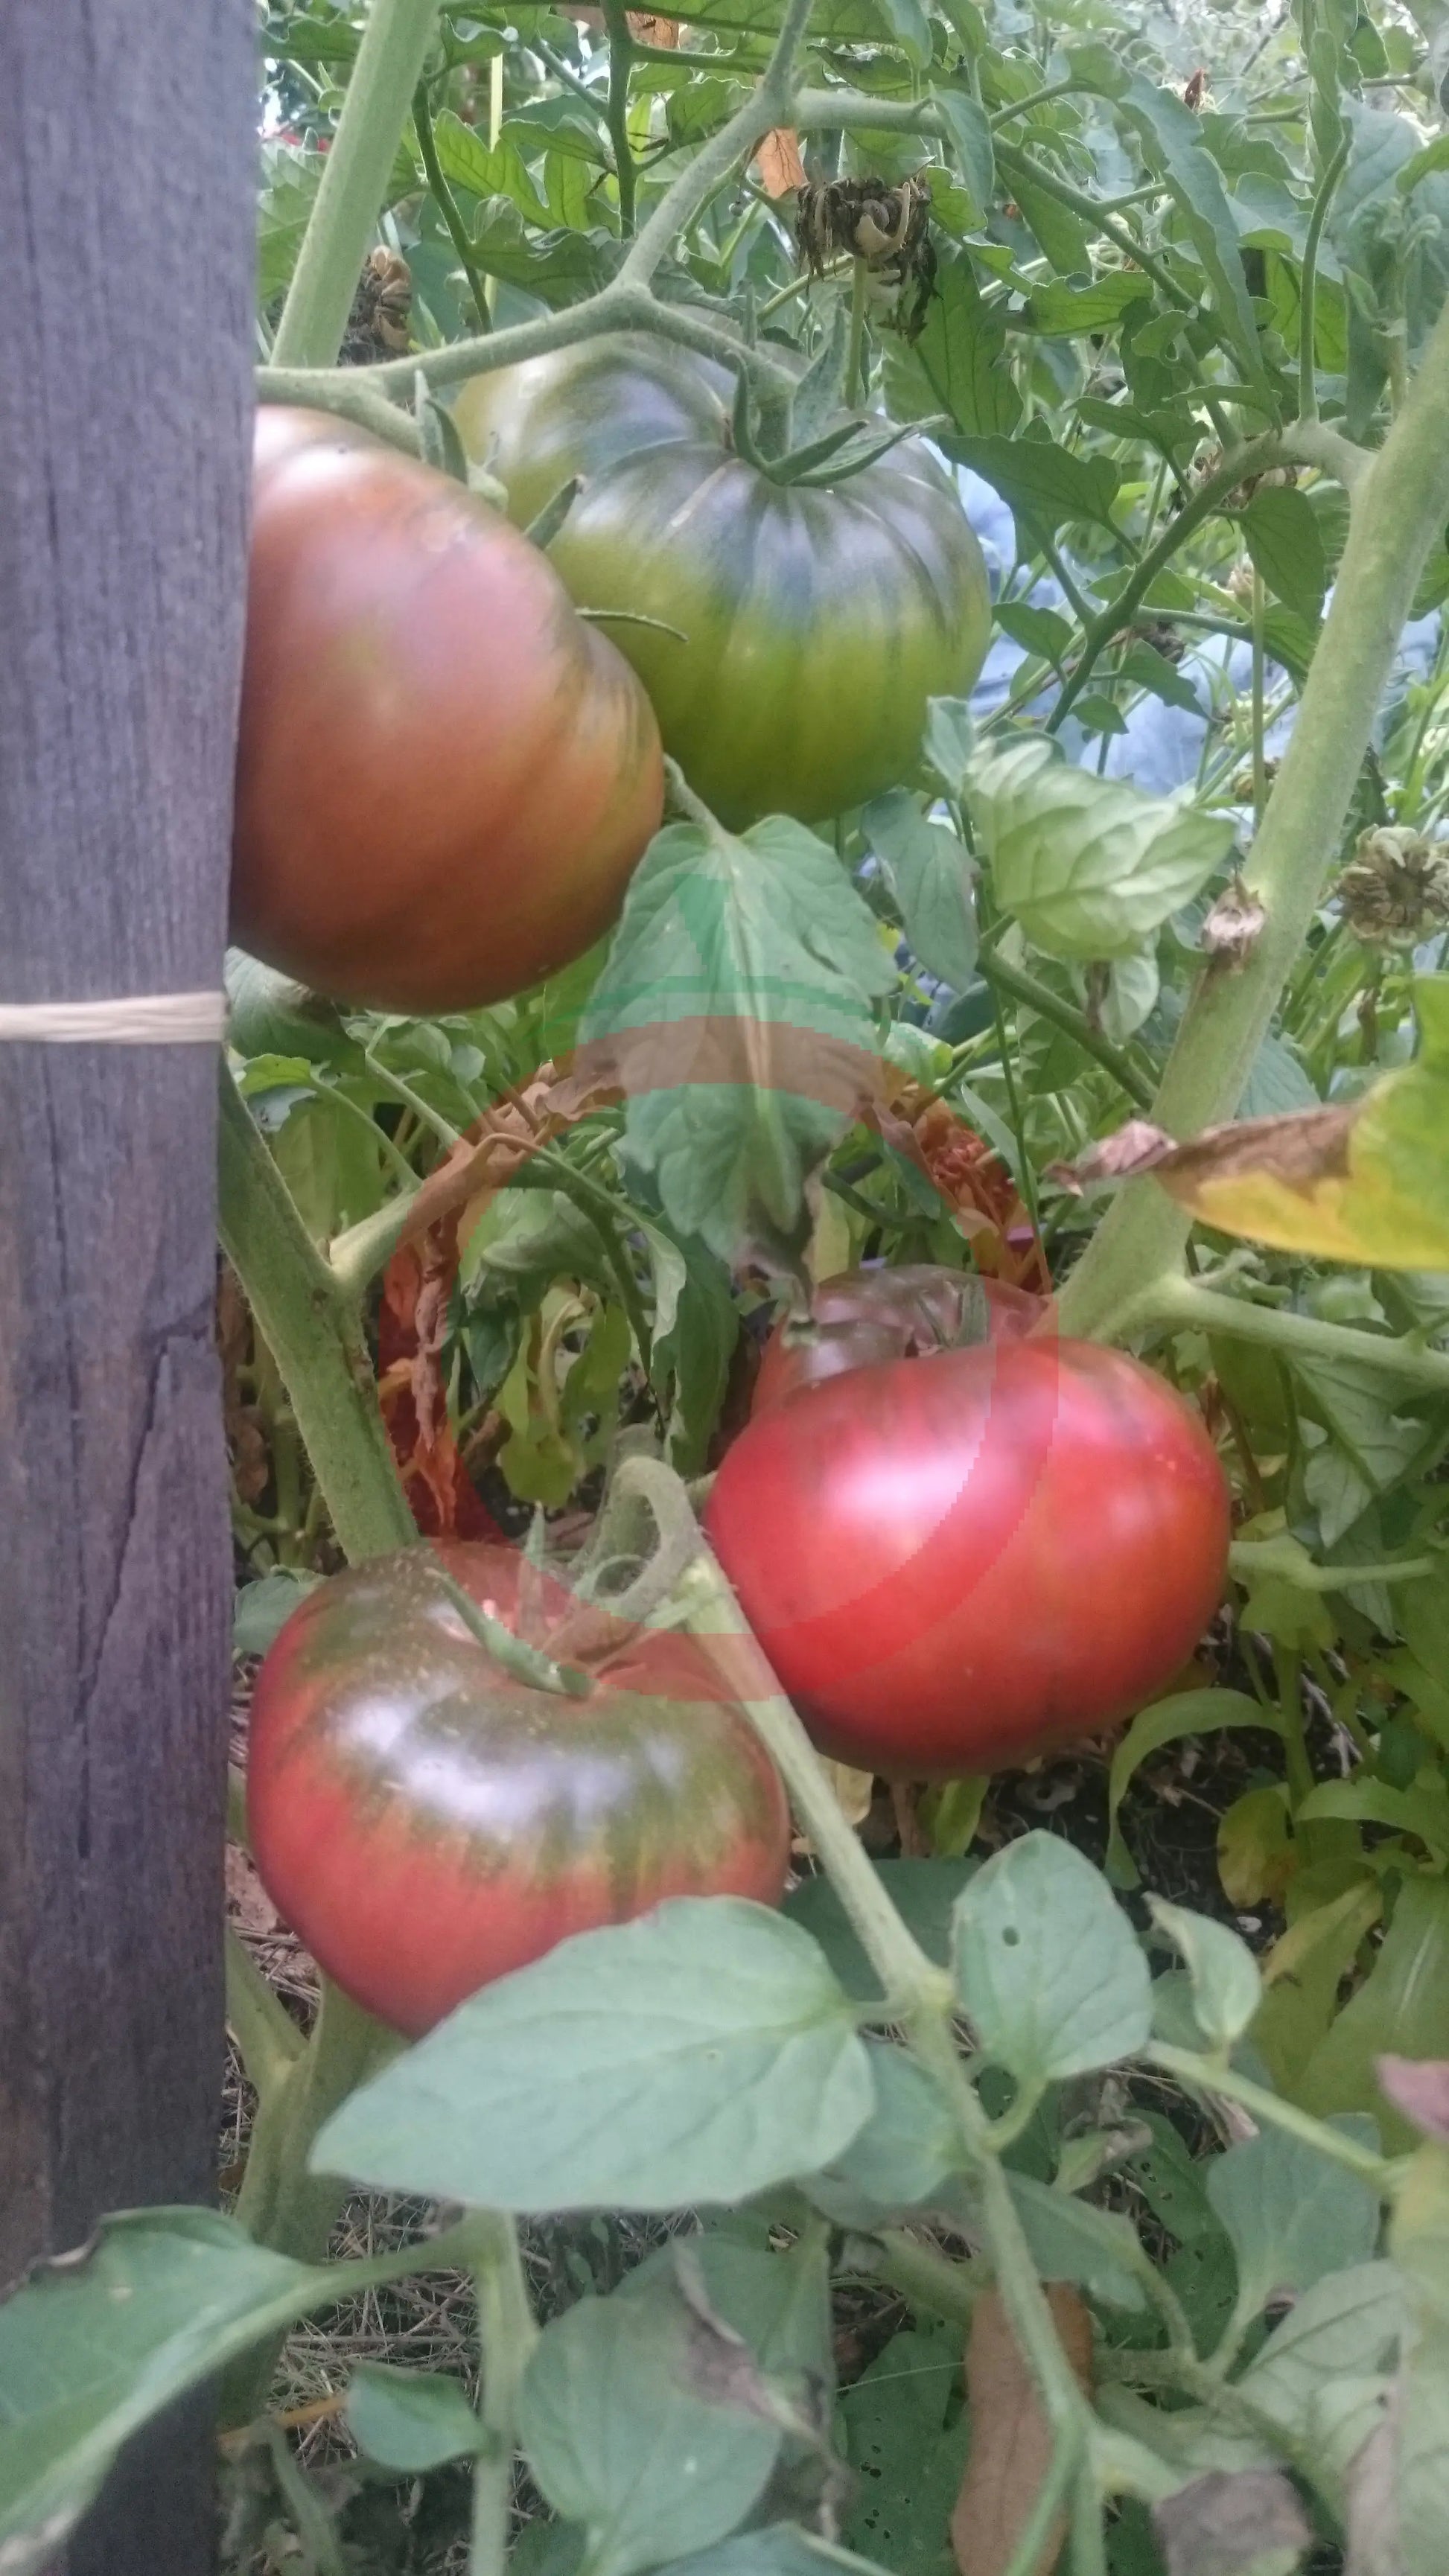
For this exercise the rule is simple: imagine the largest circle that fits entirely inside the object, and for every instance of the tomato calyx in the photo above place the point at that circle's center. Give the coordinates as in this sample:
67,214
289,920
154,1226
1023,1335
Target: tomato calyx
513,1653
851,443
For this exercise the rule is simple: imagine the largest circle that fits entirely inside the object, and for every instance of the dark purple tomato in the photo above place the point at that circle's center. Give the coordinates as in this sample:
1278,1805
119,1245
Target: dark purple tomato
444,777
427,1822
959,1561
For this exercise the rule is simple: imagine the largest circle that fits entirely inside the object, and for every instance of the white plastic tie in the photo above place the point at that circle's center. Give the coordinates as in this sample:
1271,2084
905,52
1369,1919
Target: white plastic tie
136,1019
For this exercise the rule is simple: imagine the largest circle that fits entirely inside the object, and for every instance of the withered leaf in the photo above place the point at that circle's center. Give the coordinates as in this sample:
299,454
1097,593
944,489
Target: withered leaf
1011,2439
779,164
1233,2522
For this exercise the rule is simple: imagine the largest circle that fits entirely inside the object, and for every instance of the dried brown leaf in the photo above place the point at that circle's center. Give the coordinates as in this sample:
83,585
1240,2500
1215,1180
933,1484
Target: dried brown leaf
779,164
1233,2522
1011,2438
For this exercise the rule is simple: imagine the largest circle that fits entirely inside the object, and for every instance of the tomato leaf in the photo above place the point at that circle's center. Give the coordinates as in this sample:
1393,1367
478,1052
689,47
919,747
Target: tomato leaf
735,1011
1051,486
778,2549
969,130
1226,1986
1070,2240
411,2420
620,2430
1292,2214
906,2440
1047,1965
94,2345
1089,866
931,873
1187,1713
1401,2009
700,2054
908,2151
957,364
1281,533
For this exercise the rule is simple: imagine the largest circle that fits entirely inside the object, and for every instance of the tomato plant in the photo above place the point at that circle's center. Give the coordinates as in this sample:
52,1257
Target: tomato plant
429,1820
1110,967
444,778
958,1561
812,622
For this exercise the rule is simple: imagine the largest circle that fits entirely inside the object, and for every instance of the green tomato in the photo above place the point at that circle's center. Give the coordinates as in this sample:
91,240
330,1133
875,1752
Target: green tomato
816,622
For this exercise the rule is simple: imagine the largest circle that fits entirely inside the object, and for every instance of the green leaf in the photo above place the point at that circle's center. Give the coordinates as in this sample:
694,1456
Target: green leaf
1400,2010
1347,2325
411,2420
1036,630
1304,1973
1277,1083
908,2151
923,1892
1226,1986
466,161
696,1327
1047,1965
957,365
1070,2240
1062,236
735,1008
94,2345
1051,486
930,871
947,740
780,2303
1293,2215
1062,312
1187,1713
560,266
1434,156
1282,535
1172,144
1422,1809
622,2433
969,130
905,2438
264,1607
1089,866
1143,667
779,2549
701,2054
290,179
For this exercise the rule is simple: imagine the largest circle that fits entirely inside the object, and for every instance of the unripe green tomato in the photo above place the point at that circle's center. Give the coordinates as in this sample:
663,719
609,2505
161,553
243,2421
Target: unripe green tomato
816,620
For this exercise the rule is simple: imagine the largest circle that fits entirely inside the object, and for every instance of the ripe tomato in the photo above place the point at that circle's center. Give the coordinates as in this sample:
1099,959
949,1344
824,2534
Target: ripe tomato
817,621
955,1562
444,777
426,1821
863,1316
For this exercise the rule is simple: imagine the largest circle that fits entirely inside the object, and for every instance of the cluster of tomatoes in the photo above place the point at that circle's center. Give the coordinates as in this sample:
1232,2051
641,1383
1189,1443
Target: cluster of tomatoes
956,1556
956,1553
448,770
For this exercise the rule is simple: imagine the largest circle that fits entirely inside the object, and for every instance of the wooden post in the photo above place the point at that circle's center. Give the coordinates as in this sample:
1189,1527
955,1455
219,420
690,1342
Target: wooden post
127,198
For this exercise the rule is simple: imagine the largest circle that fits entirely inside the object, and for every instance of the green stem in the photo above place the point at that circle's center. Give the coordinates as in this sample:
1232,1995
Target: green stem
507,2332
1308,281
266,2035
1186,1305
1399,508
1250,1557
1260,774
855,353
447,204
1039,997
925,2278
1206,2076
343,220
314,1331
1296,1765
621,64
1034,98
280,2203
771,104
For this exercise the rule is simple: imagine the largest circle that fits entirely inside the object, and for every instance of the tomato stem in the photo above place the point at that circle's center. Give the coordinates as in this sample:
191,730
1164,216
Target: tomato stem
507,2332
1188,1305
343,221
514,1654
621,64
1399,502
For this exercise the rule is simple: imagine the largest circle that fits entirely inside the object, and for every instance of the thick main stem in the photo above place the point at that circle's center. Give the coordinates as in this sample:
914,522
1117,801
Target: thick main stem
379,95
508,2333
1399,507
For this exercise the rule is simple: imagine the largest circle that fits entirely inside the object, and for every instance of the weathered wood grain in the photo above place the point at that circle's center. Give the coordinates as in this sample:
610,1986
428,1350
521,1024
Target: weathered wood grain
126,211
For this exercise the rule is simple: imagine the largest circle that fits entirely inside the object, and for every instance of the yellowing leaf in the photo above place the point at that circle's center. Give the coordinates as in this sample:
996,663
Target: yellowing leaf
779,164
1364,1182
